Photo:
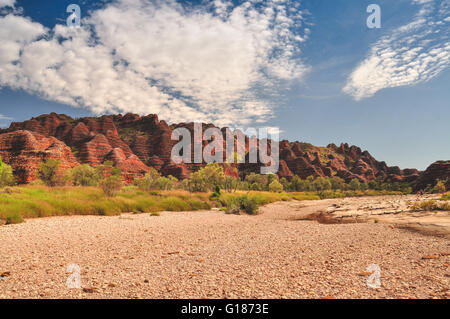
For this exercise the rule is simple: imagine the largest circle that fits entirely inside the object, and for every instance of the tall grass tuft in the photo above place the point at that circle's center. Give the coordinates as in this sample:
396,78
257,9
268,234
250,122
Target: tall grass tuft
42,201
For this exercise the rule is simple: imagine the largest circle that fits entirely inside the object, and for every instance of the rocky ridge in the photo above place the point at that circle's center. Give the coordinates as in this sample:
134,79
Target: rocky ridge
135,143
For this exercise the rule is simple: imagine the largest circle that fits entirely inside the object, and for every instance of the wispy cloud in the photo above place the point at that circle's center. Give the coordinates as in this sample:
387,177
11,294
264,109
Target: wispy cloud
413,53
5,118
186,63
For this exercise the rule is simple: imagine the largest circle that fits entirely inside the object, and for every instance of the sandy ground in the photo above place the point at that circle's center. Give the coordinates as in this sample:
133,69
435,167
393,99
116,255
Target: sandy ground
210,254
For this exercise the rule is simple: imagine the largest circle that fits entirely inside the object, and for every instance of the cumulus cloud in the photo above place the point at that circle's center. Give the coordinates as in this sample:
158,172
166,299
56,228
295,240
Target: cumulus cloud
413,53
185,63
7,3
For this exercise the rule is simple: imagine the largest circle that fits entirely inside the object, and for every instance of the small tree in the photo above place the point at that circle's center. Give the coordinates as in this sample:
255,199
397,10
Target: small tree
296,184
275,186
373,185
322,184
337,183
108,169
151,180
230,183
111,185
206,178
354,185
48,172
6,175
257,181
439,187
164,183
85,175
285,183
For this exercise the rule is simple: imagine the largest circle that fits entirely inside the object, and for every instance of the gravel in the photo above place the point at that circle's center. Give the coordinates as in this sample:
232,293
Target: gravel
211,254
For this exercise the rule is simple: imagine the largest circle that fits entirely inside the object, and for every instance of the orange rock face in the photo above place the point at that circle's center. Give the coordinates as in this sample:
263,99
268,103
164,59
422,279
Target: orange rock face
25,150
136,142
438,170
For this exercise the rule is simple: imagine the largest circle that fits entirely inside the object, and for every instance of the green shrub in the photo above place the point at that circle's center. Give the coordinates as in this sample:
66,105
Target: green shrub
111,185
84,175
430,205
231,183
234,206
216,193
6,175
14,219
321,184
439,188
258,182
275,186
299,185
108,169
148,182
354,185
249,205
206,178
243,202
49,173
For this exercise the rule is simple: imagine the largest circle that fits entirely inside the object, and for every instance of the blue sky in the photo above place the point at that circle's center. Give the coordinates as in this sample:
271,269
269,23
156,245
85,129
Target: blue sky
312,68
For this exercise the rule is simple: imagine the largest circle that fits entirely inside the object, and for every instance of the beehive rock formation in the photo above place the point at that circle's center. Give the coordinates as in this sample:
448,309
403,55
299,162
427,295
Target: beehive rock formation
134,143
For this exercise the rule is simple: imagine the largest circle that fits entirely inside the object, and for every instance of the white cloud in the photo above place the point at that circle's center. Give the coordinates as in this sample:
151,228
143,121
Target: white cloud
7,3
413,53
2,117
183,63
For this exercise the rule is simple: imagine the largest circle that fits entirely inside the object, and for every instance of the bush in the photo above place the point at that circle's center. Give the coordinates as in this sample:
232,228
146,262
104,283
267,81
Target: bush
354,185
321,184
14,219
430,205
245,203
49,173
258,182
6,175
165,183
275,186
299,185
231,183
234,206
206,178
439,188
154,181
84,175
249,205
111,185
108,169
337,183
216,193
148,182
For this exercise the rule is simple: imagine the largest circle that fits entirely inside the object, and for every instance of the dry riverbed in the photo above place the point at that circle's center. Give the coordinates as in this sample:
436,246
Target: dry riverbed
209,254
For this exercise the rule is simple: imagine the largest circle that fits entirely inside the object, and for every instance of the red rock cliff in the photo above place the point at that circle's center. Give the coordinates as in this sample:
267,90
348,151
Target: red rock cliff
136,142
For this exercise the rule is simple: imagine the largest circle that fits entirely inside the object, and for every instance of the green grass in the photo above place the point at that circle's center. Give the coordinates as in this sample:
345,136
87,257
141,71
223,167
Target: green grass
430,205
446,196
341,194
40,201
13,219
30,201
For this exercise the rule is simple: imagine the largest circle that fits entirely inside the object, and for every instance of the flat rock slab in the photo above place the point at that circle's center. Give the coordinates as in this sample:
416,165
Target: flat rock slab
394,210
